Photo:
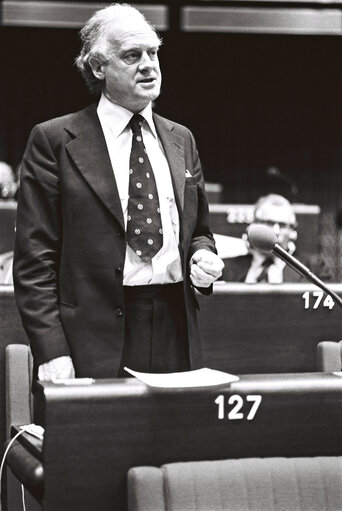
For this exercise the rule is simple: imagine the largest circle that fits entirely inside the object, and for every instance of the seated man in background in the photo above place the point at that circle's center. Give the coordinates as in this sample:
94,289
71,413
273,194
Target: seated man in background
8,190
277,212
8,185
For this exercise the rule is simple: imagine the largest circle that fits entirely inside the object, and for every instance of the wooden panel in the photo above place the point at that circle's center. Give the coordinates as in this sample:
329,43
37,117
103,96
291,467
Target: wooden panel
267,20
265,328
68,14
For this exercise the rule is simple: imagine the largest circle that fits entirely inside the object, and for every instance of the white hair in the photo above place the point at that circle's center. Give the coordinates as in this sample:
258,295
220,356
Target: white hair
94,42
274,199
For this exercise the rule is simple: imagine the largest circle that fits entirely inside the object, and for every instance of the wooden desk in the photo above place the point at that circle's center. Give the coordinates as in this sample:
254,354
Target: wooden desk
95,433
245,329
265,328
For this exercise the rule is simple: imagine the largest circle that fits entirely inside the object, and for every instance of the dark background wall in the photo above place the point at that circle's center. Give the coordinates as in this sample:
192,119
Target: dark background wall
252,101
255,101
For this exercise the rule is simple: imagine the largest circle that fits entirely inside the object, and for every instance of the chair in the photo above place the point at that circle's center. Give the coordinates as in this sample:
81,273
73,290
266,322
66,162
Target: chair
329,356
18,380
18,360
250,484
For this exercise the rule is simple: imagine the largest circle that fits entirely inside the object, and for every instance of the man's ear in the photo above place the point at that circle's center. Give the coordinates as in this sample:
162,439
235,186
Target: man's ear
97,68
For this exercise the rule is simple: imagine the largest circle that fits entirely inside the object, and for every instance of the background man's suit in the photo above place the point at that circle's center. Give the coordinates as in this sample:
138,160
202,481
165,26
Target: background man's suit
83,313
236,269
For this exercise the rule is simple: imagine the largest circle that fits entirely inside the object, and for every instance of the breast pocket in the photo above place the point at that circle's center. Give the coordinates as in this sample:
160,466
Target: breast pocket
191,181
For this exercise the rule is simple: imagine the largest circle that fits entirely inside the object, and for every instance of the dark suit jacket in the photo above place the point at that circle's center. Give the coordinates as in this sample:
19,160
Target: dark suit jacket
236,270
70,244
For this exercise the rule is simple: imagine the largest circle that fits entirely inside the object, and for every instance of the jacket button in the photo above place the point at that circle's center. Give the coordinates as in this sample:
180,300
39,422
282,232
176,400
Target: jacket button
118,271
118,311
120,234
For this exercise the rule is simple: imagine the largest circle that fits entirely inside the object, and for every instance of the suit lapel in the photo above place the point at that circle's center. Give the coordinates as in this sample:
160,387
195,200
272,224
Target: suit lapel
173,146
89,152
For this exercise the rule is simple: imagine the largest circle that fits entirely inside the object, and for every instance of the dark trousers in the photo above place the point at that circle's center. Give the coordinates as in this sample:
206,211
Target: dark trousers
156,338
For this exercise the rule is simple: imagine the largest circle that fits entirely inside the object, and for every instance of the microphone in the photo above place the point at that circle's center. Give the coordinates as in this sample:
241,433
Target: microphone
263,238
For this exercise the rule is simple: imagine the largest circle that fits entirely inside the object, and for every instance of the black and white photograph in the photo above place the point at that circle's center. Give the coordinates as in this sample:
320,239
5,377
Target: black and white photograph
171,255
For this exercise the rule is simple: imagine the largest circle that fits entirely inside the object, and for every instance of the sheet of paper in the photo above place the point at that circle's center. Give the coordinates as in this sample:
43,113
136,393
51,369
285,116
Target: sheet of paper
199,378
73,381
230,246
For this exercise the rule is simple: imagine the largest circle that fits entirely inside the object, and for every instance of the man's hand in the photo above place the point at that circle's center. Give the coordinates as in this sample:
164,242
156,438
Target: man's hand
57,368
205,268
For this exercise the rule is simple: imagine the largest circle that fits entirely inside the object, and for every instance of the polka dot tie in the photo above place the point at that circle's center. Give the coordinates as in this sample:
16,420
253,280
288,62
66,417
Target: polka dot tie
144,228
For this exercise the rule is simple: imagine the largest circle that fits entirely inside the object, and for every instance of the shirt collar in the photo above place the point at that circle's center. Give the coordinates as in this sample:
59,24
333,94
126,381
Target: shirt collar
118,117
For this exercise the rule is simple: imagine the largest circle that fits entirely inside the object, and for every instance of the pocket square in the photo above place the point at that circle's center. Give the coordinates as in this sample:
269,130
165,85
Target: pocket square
187,173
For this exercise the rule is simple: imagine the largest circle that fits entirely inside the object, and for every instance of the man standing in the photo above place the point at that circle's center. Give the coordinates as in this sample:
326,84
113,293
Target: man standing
112,225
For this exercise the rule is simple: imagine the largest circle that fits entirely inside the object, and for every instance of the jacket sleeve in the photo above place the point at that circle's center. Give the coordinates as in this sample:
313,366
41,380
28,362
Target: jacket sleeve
202,237
37,249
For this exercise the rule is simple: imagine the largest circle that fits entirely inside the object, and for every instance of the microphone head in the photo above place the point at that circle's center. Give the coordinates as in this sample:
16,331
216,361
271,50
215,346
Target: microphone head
261,237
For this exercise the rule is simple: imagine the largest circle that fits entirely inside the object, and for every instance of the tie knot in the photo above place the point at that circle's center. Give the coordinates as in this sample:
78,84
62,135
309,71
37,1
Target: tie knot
136,122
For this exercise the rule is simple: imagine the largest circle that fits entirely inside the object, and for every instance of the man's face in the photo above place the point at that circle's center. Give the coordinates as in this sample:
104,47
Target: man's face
280,218
132,74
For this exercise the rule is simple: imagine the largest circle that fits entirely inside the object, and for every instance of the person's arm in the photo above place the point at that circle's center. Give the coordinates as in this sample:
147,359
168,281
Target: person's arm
37,249
205,268
204,264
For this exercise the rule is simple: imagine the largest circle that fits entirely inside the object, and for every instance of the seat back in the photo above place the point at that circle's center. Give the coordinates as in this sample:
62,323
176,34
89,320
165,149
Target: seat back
18,364
250,484
329,356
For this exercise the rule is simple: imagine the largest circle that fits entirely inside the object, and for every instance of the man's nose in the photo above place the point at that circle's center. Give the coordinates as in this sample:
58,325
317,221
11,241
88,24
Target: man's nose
145,62
276,228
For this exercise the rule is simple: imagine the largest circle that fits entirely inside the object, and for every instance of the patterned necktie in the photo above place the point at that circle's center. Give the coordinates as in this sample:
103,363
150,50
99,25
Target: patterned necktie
144,229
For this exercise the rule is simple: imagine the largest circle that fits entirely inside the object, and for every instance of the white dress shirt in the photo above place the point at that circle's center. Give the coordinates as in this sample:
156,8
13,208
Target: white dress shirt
165,267
274,271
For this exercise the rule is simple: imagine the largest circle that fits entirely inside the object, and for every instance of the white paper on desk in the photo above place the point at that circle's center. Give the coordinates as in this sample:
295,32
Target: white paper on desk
199,378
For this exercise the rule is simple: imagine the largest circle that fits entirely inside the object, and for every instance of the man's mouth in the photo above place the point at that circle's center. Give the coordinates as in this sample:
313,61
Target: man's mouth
146,80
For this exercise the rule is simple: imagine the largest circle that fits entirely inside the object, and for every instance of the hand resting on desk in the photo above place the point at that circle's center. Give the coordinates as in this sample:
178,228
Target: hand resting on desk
57,368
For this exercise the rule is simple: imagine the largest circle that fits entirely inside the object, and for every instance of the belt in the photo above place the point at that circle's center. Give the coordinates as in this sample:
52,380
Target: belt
152,290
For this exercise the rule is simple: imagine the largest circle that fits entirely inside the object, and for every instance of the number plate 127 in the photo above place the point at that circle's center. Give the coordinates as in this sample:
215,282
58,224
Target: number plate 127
237,407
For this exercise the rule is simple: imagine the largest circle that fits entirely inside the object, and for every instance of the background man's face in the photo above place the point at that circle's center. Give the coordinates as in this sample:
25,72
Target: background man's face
280,218
132,74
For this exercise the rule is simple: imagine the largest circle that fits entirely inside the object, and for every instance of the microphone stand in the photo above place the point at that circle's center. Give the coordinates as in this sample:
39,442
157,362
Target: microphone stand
302,270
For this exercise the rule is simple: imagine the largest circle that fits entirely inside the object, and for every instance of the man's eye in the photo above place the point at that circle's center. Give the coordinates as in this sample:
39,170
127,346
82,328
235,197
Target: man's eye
153,54
131,57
